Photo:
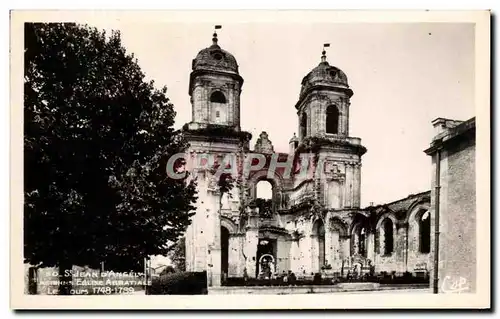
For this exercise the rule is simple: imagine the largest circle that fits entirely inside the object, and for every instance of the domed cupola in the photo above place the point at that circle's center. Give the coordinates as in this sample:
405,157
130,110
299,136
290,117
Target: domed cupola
323,105
324,76
214,58
215,87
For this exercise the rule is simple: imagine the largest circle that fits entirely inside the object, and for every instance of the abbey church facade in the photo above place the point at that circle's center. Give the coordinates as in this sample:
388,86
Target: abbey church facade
314,222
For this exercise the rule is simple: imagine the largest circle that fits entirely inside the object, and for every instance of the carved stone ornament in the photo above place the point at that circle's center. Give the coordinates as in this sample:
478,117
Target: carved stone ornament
213,183
333,172
263,144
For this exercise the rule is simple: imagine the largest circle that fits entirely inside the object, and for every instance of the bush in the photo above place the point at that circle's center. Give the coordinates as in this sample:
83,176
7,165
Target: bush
317,279
167,270
251,282
181,283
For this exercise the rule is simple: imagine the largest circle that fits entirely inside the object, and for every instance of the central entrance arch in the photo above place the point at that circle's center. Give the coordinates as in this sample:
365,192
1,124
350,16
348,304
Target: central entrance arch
267,247
267,266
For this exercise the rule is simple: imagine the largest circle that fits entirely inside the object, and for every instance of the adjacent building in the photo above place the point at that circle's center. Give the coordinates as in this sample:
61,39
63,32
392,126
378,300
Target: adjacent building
453,204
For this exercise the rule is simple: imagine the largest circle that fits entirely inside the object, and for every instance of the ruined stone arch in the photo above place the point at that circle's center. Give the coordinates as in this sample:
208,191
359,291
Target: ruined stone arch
381,218
419,229
276,182
318,246
385,234
337,224
227,223
314,222
359,219
415,209
359,232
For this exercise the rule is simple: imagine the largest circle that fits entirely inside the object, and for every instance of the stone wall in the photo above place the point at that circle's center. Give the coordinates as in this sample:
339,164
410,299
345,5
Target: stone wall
457,241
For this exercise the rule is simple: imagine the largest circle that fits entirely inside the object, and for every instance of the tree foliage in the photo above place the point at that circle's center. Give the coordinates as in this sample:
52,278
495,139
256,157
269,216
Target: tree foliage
178,254
97,140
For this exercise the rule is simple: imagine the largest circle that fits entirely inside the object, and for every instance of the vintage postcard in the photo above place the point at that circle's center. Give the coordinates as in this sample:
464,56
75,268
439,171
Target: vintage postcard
250,159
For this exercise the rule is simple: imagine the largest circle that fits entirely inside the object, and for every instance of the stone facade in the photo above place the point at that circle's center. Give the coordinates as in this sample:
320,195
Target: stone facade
314,223
454,200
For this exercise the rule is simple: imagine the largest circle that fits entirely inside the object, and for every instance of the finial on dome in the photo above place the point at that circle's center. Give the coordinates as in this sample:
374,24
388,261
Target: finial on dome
323,54
214,39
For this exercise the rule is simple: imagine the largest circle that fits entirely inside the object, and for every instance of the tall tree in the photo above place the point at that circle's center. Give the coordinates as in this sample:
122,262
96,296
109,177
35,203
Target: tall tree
97,140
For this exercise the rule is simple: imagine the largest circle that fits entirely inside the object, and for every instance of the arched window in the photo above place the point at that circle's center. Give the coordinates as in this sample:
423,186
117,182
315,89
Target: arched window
264,198
218,108
424,233
332,120
388,236
303,125
218,97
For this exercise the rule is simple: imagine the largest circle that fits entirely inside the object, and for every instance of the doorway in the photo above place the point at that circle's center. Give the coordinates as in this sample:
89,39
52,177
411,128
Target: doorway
224,235
266,247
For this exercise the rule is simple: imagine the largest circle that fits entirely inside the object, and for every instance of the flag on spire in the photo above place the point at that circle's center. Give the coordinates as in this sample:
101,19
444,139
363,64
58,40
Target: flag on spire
323,54
218,27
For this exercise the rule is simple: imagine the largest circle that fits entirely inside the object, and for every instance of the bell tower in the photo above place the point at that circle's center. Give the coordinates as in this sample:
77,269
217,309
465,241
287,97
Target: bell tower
323,114
215,88
323,106
213,133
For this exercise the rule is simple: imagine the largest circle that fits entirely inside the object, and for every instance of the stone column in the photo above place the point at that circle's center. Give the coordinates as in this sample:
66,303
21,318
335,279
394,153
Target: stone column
321,119
355,243
237,106
294,256
252,241
204,105
346,116
352,185
348,185
195,103
345,248
230,105
406,245
336,251
341,193
314,253
370,246
329,249
197,241
214,247
234,256
306,254
357,185
342,119
341,127
400,249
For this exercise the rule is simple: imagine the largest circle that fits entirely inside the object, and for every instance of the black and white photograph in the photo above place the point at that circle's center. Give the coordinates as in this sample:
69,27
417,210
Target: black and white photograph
241,156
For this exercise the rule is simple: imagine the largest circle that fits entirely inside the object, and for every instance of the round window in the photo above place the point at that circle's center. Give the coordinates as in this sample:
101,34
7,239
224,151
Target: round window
218,56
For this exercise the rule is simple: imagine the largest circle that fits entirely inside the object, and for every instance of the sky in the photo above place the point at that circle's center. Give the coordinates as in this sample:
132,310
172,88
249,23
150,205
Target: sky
403,76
